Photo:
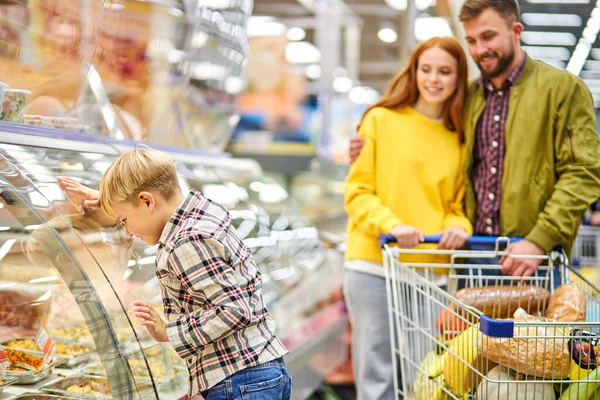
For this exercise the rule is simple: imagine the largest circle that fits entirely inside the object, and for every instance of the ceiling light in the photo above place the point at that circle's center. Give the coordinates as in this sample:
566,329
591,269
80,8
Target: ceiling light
234,85
342,84
313,71
6,247
423,5
358,95
302,53
595,53
387,35
265,26
583,48
542,19
400,5
296,34
428,27
549,38
592,65
555,53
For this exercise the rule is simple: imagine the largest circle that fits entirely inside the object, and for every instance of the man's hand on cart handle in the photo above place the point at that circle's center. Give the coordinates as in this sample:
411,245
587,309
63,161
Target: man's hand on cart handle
356,145
407,236
453,237
522,266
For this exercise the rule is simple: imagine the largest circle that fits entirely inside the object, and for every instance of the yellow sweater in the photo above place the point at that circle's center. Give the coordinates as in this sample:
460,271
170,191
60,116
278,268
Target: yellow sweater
409,172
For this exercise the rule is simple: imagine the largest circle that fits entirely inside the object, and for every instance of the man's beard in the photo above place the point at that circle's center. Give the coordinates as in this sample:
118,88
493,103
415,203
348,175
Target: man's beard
502,65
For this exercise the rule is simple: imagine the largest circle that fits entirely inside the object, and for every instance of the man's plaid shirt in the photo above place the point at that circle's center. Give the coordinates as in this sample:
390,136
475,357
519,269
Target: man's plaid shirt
212,295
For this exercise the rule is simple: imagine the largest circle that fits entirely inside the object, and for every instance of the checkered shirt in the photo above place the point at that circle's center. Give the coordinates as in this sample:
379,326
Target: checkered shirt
212,295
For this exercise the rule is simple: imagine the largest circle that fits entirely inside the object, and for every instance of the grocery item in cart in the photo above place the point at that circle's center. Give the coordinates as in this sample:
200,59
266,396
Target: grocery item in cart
584,348
452,321
464,364
502,301
491,389
567,304
534,351
428,385
13,105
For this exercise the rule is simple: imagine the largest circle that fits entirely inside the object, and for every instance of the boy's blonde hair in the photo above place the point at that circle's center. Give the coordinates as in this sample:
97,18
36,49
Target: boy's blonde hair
136,171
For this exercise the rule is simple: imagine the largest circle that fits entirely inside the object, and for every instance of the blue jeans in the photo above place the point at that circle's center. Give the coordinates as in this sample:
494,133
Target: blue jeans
266,381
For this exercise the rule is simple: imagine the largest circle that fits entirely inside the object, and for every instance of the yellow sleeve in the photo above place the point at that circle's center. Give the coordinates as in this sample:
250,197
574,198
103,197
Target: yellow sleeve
455,214
363,206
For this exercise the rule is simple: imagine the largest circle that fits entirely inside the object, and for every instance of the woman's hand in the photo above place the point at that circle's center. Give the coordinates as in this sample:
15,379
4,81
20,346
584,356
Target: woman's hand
407,236
453,237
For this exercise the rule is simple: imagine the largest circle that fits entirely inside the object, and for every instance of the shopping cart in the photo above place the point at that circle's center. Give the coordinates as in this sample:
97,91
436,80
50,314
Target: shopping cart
481,356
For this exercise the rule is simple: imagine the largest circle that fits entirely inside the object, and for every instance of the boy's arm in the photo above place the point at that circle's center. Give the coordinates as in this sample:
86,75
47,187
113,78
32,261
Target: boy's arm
208,279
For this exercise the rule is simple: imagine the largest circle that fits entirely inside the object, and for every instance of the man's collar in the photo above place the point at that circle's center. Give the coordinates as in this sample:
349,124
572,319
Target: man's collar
510,80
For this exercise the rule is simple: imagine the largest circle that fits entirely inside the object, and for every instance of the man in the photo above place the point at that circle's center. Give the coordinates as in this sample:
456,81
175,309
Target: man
532,159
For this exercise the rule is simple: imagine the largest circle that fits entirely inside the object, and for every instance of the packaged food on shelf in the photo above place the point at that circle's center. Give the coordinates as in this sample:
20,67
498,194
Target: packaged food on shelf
14,104
503,300
32,369
71,354
16,307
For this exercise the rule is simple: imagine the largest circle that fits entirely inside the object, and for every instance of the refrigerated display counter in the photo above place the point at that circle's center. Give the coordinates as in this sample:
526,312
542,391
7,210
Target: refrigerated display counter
73,274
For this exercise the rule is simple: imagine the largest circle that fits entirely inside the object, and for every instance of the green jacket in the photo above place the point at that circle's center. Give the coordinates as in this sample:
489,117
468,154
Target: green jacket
552,160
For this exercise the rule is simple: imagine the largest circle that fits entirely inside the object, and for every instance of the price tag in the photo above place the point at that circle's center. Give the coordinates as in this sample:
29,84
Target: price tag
43,340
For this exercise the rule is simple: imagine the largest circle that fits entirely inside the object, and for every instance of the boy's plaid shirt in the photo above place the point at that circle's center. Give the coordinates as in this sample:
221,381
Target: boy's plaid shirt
212,295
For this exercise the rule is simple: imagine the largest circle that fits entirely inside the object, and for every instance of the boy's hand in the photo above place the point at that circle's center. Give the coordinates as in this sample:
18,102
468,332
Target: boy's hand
81,196
153,323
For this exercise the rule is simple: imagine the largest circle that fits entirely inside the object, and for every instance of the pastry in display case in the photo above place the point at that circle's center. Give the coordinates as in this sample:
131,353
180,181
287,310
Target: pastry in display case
67,271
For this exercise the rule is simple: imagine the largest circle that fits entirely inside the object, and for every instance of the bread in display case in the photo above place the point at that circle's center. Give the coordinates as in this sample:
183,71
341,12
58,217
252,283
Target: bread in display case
75,274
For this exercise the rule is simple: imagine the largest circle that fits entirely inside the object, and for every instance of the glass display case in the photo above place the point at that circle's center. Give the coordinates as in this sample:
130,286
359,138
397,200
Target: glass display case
126,68
74,274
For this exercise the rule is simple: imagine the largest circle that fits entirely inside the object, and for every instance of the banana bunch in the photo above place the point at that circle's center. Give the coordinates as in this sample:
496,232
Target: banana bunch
461,359
429,385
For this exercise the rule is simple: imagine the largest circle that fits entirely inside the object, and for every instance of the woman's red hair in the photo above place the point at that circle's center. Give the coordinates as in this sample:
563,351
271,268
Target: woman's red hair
403,92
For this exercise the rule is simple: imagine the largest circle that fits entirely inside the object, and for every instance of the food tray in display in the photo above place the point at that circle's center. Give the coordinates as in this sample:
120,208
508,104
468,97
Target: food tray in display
67,360
140,376
39,396
6,381
30,377
61,387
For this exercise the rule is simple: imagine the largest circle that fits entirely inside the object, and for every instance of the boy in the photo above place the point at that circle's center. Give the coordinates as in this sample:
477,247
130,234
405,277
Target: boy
210,284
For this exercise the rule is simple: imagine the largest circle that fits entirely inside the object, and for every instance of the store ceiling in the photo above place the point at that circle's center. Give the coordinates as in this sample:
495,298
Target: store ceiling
553,28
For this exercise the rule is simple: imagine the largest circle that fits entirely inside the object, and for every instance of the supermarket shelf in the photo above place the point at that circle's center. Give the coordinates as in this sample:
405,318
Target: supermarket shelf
283,158
316,349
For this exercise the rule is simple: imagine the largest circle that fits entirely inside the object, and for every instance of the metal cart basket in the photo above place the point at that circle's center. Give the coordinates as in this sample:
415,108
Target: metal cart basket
500,348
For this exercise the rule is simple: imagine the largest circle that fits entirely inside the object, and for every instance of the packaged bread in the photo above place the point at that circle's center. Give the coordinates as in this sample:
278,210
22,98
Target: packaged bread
567,304
503,301
540,352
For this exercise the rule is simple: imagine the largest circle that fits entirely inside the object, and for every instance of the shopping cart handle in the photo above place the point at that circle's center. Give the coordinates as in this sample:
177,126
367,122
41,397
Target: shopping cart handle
473,240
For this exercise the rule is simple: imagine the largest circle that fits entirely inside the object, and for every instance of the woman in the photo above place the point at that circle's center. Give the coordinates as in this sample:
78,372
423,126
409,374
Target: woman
406,182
